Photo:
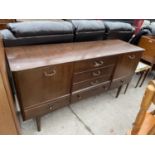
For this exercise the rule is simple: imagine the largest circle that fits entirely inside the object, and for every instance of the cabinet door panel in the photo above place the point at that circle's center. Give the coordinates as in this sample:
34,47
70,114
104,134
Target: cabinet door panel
40,85
126,65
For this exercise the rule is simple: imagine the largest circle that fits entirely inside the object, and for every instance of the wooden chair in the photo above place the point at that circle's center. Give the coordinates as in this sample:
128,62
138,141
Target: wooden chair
143,69
145,121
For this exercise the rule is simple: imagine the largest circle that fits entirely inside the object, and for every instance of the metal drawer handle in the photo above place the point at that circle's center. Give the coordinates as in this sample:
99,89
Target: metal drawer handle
104,87
97,73
94,83
98,63
131,57
50,74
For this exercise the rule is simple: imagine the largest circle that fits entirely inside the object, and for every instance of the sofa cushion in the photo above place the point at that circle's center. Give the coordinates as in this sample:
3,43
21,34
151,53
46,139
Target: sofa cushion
150,28
10,40
88,30
40,28
118,26
88,25
129,21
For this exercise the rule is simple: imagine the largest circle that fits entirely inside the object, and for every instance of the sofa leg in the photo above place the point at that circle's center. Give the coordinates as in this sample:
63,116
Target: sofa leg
119,90
38,123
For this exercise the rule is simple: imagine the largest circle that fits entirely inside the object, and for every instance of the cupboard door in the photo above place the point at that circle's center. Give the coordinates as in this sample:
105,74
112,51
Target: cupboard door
43,84
126,65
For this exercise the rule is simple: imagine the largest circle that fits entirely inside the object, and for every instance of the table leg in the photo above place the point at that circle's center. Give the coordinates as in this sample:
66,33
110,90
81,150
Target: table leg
38,122
141,74
126,87
119,90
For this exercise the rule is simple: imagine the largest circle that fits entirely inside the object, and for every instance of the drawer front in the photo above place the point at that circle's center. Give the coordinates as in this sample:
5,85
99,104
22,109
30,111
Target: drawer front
79,77
39,85
77,96
121,81
46,108
94,63
90,83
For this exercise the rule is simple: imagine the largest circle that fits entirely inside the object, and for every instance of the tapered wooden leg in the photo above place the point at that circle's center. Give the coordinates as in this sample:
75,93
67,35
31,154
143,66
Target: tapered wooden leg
126,88
141,74
38,123
119,90
152,131
145,74
153,112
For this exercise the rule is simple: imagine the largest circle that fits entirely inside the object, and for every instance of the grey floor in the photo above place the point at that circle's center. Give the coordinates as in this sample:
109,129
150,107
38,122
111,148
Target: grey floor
100,115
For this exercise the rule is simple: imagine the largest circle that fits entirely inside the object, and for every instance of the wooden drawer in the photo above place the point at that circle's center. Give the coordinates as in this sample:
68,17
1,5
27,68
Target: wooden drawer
89,83
120,81
46,107
94,63
43,84
79,77
79,95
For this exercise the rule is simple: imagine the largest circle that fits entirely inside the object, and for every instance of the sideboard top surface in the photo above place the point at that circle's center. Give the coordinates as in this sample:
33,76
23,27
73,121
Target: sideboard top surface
34,56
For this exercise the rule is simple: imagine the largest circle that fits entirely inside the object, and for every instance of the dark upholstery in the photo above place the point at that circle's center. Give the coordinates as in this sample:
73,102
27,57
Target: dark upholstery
86,30
40,28
46,32
129,21
135,40
29,33
119,30
150,28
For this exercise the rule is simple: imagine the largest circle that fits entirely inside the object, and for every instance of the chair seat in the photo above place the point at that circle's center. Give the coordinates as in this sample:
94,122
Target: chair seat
142,67
148,123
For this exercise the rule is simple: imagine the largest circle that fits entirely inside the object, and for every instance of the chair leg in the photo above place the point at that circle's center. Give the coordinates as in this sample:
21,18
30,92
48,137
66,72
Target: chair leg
38,123
119,90
153,112
126,88
152,131
145,74
141,74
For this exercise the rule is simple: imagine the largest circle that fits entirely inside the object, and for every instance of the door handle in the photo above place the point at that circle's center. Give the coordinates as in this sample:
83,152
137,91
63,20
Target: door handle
52,73
98,63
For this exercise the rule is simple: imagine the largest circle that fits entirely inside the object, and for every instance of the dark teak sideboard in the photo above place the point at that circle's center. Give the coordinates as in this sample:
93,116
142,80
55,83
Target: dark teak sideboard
51,76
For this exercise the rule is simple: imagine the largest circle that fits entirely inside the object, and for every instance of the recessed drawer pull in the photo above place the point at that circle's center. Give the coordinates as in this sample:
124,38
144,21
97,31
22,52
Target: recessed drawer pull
98,63
131,57
94,83
51,107
96,73
79,96
122,81
104,87
50,74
